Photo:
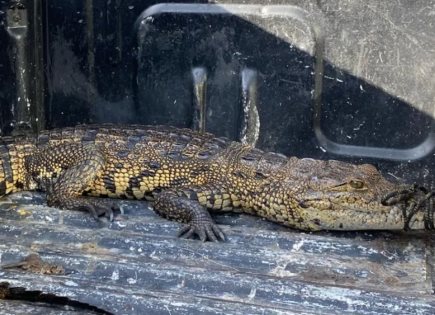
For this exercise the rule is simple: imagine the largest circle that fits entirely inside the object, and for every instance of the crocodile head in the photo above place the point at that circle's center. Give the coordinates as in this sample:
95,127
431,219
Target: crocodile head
334,195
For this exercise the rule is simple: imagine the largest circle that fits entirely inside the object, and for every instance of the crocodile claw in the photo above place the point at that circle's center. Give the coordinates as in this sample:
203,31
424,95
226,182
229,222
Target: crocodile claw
206,231
96,207
98,211
414,198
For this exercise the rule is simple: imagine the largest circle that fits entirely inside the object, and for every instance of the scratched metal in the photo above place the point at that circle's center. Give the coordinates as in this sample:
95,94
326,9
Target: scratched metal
136,265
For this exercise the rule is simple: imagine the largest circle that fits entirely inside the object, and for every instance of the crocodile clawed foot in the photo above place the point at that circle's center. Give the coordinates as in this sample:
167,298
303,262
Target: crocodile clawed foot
205,230
98,211
170,204
95,206
398,196
429,214
413,199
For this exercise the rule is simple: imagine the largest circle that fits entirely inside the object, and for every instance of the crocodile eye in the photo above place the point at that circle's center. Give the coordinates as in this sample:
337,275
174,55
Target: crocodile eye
356,184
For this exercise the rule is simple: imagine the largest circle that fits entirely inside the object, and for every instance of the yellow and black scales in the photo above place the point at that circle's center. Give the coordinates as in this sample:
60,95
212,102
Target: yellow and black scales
186,173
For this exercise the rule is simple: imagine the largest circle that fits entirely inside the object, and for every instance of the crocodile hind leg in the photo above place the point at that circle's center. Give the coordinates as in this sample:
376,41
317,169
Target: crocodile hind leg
183,206
65,171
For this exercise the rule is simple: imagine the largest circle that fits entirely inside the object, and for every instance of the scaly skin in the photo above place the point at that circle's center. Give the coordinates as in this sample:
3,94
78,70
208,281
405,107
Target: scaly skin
186,172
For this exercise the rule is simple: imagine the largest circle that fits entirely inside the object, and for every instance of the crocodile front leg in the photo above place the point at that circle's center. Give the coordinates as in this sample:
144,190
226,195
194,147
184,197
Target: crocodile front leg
64,171
183,206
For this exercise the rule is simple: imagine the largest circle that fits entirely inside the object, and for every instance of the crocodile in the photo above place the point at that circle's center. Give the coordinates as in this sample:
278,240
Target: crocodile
188,175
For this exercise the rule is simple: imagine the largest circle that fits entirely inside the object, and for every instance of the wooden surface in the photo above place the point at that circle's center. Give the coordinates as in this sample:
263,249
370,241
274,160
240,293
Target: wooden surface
136,265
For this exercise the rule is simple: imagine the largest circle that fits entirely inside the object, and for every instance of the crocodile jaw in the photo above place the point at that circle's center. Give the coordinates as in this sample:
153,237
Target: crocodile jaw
377,217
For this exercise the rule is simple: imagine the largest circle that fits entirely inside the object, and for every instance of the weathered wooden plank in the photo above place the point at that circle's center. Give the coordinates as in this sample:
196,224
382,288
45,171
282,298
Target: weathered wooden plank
136,265
394,264
12,307
121,300
195,296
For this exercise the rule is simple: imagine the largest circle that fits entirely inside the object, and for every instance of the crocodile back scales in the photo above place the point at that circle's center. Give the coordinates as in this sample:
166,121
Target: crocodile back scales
135,161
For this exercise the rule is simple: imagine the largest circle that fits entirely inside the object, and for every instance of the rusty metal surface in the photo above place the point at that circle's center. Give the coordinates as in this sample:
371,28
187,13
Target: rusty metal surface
136,265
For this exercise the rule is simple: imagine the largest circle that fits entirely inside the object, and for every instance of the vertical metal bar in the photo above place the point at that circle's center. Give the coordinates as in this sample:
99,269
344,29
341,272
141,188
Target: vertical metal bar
38,112
119,36
250,127
90,41
199,75
17,28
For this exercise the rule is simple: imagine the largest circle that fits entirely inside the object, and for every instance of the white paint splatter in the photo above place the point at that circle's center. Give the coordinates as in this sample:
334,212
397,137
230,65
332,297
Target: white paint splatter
71,283
297,246
252,294
115,275
131,281
121,224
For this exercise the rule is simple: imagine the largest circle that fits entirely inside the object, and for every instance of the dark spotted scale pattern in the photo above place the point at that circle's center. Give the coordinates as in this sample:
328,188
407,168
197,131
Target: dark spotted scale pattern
188,174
